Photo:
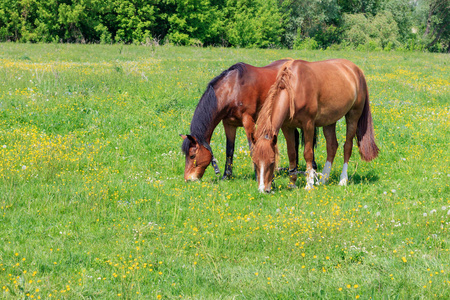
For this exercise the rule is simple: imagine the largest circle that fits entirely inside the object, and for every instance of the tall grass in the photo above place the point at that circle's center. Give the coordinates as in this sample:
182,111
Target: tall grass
93,204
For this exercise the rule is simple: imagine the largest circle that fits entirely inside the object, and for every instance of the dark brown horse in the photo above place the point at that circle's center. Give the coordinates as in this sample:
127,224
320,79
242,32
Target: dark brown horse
235,98
307,95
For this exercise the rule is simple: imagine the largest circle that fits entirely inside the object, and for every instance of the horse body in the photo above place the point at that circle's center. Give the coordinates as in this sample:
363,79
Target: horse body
307,95
234,97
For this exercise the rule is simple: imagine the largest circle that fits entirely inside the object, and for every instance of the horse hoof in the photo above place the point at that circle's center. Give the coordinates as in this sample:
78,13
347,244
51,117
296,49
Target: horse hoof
226,177
309,187
292,186
343,182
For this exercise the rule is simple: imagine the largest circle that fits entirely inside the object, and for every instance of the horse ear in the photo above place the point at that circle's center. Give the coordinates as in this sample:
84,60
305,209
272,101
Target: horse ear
192,139
274,140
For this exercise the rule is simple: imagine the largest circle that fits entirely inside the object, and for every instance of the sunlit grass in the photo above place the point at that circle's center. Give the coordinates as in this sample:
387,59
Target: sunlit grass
93,203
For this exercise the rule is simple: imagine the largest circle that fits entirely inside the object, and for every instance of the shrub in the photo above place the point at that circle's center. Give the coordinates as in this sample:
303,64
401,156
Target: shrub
306,44
253,23
355,29
373,32
384,28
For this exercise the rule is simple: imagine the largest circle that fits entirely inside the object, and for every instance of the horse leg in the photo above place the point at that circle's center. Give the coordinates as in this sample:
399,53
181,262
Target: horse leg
230,133
314,145
292,151
348,146
308,153
249,126
332,144
297,143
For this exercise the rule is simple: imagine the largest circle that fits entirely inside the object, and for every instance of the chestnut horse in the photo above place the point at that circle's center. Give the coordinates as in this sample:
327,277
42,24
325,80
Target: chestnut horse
307,95
235,98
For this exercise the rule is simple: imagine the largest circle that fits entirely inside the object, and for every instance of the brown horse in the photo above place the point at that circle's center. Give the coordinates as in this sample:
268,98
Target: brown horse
307,95
235,98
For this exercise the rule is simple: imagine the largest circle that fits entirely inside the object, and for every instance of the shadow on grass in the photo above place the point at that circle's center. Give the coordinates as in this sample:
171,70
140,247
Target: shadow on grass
369,177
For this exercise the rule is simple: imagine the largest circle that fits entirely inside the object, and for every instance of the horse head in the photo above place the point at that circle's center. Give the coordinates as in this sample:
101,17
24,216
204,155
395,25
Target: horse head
198,157
265,156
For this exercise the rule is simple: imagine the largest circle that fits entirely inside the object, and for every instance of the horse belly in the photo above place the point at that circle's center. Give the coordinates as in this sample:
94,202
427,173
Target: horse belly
331,109
233,120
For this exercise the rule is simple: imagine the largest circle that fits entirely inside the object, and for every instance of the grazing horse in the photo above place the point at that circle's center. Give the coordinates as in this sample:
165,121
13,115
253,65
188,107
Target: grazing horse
235,98
307,95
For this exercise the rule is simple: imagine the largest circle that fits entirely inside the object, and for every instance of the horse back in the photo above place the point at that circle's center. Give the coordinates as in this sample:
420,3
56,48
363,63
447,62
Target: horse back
328,89
244,94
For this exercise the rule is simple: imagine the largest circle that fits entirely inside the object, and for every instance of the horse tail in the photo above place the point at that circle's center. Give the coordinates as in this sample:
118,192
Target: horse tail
364,133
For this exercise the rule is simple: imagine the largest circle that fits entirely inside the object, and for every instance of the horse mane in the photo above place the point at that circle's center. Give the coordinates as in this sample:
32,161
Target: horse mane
206,109
264,122
264,130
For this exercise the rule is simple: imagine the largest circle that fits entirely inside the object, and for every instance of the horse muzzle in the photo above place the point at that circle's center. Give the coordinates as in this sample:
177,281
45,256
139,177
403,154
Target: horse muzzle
191,178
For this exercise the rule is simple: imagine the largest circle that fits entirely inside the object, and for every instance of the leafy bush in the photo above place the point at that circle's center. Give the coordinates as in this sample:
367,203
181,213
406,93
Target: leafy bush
306,44
384,29
306,24
373,32
313,18
194,21
328,35
134,20
253,23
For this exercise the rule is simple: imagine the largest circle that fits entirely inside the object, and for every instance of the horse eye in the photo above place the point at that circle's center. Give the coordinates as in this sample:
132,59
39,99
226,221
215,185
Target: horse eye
192,156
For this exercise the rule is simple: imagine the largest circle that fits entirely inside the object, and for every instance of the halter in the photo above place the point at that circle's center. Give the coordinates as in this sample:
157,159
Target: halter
213,159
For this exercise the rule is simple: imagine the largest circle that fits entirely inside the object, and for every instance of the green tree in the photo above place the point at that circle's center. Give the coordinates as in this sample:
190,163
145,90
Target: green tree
317,19
380,30
384,29
402,12
360,6
135,19
253,23
436,19
10,20
194,22
356,29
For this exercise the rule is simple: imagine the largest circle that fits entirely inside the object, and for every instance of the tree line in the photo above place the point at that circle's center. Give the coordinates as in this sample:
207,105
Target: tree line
297,24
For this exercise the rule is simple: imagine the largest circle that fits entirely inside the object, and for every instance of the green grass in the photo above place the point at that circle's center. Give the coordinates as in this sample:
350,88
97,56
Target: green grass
93,204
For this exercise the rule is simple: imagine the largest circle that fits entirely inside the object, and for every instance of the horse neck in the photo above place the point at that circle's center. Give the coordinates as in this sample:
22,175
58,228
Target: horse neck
226,92
206,116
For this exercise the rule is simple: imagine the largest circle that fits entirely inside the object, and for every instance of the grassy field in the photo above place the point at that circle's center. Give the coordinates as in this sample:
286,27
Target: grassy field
93,204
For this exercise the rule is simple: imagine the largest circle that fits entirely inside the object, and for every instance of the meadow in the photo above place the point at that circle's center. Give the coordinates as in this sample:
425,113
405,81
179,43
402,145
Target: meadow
93,204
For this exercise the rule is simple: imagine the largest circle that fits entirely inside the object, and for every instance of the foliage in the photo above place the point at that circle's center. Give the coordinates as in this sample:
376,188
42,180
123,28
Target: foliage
402,12
380,30
369,7
306,44
134,20
195,22
434,20
421,24
253,23
309,19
